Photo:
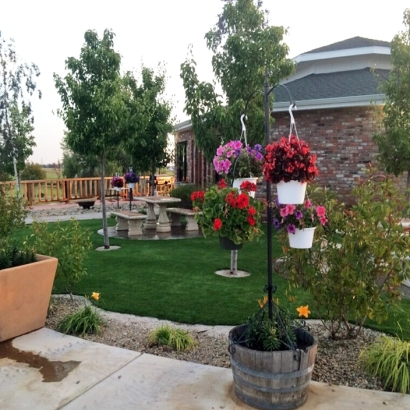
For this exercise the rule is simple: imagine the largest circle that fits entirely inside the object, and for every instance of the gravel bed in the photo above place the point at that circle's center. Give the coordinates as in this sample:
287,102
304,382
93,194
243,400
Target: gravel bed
336,360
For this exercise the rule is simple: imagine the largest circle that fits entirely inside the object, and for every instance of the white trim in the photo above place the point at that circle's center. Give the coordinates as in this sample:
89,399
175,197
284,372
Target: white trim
339,102
323,55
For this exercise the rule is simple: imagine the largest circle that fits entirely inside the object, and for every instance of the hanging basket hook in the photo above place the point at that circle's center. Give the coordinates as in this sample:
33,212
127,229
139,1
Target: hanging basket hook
292,120
243,118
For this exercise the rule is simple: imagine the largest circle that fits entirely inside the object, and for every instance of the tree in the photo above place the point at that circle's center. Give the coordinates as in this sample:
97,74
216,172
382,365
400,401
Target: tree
32,172
150,139
244,46
93,98
394,139
16,118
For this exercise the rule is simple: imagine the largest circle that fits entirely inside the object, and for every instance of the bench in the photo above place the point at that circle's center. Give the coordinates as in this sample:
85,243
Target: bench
189,214
85,203
129,221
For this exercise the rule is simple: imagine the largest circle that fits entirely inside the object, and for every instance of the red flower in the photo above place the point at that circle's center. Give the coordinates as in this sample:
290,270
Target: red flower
248,186
251,220
197,195
217,224
222,184
251,211
231,199
242,201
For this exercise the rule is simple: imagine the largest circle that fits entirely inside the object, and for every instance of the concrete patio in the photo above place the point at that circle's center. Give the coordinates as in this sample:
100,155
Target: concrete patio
48,370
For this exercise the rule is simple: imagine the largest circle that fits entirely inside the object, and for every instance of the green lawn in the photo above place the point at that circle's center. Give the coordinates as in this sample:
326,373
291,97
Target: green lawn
175,280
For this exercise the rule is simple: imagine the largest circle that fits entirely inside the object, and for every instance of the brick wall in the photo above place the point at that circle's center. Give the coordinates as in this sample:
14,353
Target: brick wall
342,140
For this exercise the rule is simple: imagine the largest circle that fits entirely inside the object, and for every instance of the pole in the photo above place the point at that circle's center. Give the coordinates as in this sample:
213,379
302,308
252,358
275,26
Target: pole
268,200
234,262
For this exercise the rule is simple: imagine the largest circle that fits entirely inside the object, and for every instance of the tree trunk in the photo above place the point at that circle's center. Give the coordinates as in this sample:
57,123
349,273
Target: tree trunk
104,211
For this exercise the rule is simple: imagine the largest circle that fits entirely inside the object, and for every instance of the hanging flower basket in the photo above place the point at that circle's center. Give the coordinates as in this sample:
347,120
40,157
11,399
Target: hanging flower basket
302,238
289,159
246,184
117,182
292,192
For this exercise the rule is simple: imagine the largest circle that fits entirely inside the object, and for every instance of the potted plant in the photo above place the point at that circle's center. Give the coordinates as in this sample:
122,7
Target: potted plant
26,279
117,183
131,178
299,221
239,162
234,217
272,359
290,164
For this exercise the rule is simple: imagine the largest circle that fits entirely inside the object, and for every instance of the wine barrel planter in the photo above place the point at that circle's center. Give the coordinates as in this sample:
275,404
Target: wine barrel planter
276,380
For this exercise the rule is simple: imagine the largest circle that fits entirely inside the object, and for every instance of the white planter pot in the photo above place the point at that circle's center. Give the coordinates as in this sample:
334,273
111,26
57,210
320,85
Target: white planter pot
292,192
302,238
238,181
131,185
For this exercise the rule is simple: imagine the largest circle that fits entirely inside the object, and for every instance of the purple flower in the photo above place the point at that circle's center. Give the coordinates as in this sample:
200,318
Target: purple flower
291,228
258,147
276,223
298,214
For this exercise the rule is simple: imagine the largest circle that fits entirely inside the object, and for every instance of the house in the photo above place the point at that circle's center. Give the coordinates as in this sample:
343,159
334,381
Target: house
339,108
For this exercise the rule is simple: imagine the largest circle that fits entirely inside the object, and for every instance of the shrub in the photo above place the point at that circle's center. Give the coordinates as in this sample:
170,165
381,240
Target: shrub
68,244
33,172
354,270
389,359
11,256
184,192
175,338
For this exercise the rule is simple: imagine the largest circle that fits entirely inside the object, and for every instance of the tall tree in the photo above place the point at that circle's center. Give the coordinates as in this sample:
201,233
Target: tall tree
394,138
17,85
244,46
148,144
94,109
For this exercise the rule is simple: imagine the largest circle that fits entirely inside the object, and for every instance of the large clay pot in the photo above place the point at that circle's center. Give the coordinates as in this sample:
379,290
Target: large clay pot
25,295
272,380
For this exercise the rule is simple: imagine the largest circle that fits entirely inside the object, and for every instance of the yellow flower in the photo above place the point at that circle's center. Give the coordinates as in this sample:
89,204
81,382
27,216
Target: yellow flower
303,311
263,302
95,295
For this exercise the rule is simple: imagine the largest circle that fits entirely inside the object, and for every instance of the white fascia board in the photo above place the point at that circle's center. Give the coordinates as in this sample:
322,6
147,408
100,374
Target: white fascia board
183,126
339,102
350,52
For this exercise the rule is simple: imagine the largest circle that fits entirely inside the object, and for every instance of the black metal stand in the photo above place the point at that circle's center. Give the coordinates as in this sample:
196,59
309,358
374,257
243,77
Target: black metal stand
130,192
118,199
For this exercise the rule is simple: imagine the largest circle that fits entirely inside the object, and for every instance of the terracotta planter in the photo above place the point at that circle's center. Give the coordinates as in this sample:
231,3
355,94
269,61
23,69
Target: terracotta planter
25,295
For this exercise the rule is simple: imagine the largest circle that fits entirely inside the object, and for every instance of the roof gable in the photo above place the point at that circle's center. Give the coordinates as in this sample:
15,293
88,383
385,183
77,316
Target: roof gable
354,42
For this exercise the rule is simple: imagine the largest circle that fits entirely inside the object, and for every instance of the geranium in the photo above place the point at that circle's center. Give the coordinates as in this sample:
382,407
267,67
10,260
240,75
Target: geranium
131,177
117,182
248,186
291,217
237,161
289,159
227,213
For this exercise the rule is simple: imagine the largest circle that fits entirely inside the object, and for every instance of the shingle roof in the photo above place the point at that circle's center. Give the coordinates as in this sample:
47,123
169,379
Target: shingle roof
354,42
331,85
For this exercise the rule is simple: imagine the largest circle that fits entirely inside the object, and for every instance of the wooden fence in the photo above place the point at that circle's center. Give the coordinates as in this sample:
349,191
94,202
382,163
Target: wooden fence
66,189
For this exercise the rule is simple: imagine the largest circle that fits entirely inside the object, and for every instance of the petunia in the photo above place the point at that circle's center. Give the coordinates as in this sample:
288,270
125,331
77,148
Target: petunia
320,211
276,223
298,214
291,228
290,209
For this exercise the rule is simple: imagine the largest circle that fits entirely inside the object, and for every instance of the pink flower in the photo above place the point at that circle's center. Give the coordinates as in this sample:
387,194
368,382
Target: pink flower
220,151
320,211
237,144
323,220
287,210
308,203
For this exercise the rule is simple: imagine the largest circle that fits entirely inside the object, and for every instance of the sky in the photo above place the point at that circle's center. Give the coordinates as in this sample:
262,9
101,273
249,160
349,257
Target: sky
47,32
